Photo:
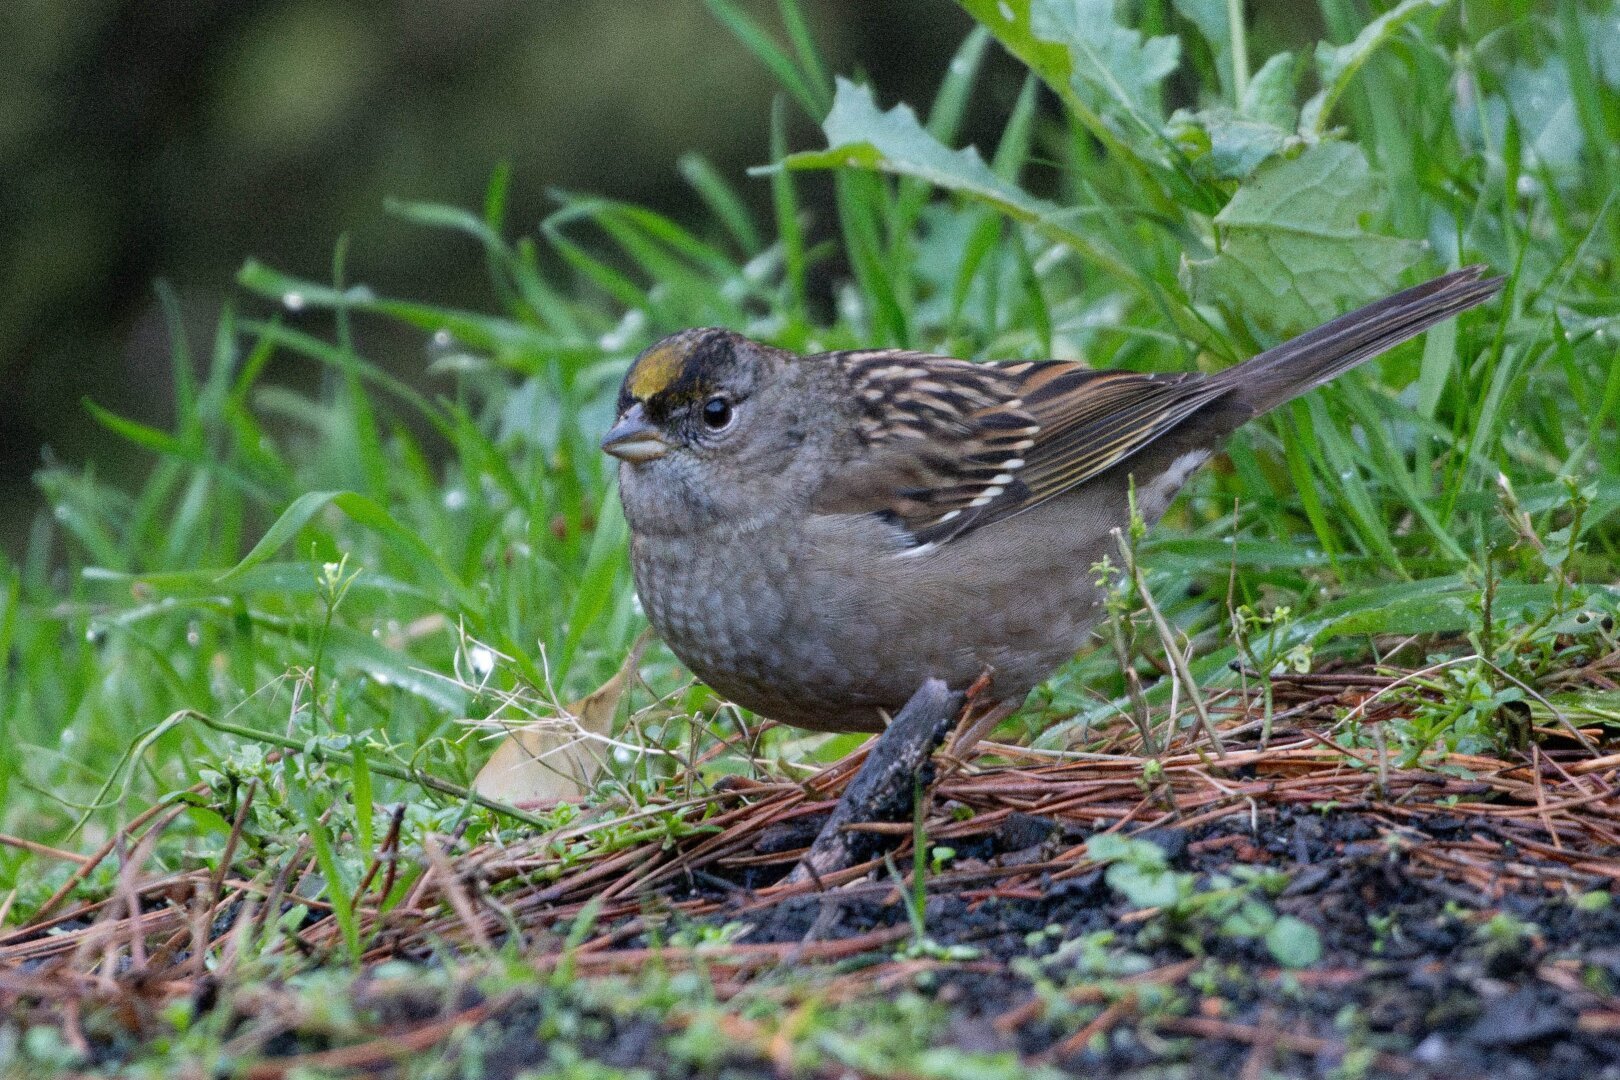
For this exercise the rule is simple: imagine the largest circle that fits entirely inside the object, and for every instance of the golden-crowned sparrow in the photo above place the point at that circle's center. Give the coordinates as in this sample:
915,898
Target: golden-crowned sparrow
816,535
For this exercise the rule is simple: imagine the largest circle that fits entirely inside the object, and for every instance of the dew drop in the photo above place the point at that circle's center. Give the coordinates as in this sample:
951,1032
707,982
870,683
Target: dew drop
293,301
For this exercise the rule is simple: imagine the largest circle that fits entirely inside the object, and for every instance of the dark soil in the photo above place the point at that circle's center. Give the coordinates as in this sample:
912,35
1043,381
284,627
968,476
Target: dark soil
1413,969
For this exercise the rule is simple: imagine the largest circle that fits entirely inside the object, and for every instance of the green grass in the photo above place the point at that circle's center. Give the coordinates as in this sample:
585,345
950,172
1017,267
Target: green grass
348,574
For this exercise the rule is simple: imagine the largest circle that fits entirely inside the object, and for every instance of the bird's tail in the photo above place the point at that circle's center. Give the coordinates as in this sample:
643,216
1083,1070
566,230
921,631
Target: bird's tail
1317,356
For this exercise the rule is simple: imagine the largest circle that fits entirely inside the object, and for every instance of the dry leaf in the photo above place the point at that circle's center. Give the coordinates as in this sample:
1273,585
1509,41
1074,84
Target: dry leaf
535,764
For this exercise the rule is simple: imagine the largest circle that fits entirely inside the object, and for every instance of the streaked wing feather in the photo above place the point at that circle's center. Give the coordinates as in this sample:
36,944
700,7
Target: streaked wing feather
951,445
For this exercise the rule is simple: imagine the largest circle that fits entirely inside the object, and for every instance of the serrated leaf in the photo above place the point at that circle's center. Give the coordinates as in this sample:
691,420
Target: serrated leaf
860,135
1294,251
1112,67
1338,64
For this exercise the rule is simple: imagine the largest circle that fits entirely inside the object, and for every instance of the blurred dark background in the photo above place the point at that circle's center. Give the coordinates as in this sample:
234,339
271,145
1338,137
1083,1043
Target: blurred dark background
148,140
171,139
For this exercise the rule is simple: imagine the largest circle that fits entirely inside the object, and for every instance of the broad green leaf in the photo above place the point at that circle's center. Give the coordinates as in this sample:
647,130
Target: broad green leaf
1010,21
1113,847
1225,145
1294,251
1269,97
862,136
1070,44
1602,34
1544,105
1337,65
1252,919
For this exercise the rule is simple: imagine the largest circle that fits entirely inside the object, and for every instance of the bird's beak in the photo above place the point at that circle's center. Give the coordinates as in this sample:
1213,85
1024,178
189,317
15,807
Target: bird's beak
633,438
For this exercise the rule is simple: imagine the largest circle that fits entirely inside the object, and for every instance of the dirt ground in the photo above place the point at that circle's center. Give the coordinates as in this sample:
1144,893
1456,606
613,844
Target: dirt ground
1458,924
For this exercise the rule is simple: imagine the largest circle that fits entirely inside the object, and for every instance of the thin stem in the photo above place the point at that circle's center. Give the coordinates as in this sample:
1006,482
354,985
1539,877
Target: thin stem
1178,662
1240,48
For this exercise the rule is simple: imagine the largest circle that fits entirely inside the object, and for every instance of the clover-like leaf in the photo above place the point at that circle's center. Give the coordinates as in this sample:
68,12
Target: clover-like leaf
1294,942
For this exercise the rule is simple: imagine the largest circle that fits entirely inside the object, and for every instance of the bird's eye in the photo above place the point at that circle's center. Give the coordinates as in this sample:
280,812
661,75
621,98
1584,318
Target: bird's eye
717,414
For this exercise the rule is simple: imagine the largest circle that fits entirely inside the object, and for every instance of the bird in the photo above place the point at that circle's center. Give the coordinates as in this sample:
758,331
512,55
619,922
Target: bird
814,536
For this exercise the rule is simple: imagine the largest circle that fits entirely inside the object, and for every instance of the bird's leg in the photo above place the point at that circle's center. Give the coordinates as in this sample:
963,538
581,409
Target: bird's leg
884,786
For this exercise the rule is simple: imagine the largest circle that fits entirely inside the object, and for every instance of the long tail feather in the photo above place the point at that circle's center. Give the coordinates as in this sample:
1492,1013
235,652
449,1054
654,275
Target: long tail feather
1318,356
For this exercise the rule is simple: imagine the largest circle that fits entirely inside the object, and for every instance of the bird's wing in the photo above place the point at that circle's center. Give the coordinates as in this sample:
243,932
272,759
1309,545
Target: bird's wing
949,446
